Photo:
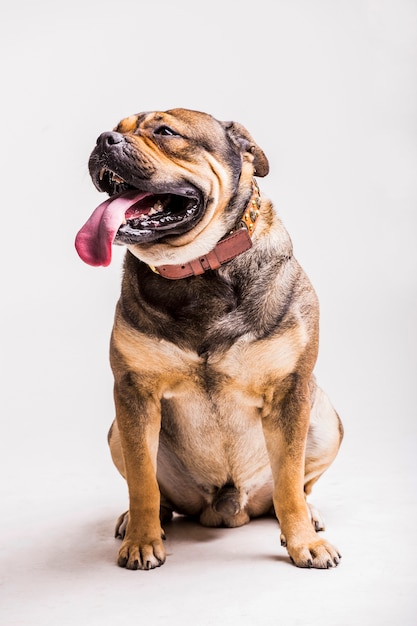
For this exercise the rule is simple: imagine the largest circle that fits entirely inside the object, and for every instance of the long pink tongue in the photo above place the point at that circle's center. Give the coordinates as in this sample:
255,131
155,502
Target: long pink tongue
94,241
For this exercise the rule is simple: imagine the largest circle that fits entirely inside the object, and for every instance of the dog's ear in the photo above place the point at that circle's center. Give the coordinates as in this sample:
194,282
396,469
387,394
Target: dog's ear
240,137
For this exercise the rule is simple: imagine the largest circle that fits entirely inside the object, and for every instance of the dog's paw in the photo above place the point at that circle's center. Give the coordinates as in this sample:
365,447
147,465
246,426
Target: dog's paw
138,555
316,518
315,554
121,525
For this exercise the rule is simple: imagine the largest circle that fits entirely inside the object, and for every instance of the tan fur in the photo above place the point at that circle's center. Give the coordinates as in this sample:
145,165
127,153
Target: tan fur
224,430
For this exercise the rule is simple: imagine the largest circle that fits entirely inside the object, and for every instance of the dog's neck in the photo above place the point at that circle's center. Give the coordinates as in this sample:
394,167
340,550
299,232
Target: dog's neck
236,242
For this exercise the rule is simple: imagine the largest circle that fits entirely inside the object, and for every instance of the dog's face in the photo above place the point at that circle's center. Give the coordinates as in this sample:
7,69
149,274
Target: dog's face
178,180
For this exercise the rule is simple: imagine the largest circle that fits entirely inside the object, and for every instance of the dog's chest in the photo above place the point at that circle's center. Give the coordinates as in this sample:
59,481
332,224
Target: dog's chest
241,375
212,407
212,417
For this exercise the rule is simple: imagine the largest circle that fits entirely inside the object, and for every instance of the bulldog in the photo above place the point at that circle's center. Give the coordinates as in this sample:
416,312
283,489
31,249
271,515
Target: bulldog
215,338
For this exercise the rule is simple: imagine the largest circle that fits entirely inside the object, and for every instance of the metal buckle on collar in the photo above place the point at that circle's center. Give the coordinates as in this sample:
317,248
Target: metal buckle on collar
250,216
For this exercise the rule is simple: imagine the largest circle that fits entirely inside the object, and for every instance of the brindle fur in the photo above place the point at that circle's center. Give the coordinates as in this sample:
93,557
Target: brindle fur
218,414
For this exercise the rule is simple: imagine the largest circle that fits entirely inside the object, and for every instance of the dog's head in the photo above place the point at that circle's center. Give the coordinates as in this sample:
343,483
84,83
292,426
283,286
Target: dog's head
178,181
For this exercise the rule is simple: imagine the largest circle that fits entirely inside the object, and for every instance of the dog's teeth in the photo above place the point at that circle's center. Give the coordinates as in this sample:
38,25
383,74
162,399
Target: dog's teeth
117,179
101,173
157,208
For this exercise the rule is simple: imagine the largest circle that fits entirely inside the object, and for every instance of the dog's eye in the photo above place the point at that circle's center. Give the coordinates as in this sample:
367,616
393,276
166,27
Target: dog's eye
165,130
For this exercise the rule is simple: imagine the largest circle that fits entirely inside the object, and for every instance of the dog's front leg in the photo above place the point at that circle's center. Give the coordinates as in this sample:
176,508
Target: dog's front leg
139,422
285,429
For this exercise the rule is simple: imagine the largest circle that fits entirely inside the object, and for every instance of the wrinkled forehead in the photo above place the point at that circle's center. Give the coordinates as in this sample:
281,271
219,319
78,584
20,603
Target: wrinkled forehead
189,124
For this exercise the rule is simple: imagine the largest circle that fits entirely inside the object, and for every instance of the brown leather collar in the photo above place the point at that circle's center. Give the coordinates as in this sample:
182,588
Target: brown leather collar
237,241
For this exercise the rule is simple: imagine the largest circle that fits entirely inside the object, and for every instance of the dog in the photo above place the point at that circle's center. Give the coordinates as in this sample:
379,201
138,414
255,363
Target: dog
215,338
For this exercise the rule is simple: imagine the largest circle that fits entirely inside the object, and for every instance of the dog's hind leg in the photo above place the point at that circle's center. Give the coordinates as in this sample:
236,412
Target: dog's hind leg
115,446
325,435
324,438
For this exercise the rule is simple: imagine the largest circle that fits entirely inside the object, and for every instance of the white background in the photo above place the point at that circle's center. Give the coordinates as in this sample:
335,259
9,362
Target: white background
328,88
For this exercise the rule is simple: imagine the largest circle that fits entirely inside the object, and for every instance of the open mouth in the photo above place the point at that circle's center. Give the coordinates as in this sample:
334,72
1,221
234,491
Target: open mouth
134,215
151,215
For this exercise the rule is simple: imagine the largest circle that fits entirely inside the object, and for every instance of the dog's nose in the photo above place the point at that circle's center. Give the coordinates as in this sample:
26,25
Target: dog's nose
109,139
